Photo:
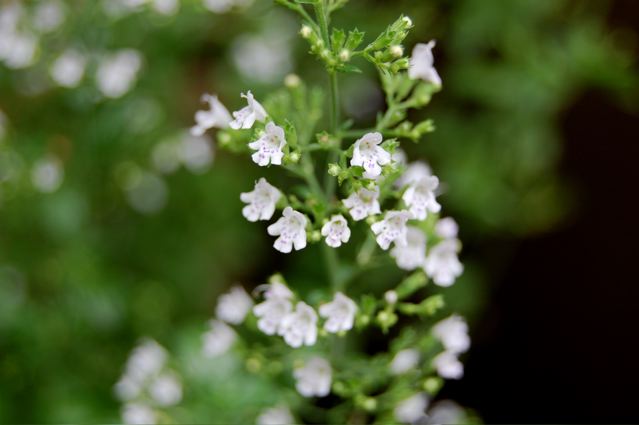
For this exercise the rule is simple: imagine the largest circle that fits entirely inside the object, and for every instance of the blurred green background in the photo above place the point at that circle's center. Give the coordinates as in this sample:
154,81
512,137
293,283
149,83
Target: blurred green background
114,225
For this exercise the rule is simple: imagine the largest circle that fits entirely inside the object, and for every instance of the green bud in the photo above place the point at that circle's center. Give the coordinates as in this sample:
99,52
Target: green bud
253,364
411,284
386,319
294,157
432,385
334,169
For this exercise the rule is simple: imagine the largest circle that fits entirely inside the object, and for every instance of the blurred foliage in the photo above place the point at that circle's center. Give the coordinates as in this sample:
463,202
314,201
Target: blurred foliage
89,268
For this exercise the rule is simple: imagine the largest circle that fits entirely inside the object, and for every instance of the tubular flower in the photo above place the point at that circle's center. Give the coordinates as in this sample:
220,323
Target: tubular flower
291,229
391,229
216,117
369,155
269,147
261,201
246,117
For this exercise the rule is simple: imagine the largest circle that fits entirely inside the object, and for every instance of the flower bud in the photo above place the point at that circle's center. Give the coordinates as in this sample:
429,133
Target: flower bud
407,21
390,297
397,51
292,81
345,55
334,170
306,31
432,385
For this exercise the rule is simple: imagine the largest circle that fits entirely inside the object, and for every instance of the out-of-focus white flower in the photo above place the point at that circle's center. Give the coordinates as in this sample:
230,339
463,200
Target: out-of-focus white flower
166,7
269,147
48,15
314,378
47,174
279,415
127,388
117,72
196,153
442,264
336,231
138,414
415,171
233,306
166,157
166,390
412,255
246,117
445,412
370,156
404,361
263,57
147,193
391,296
391,229
68,68
219,338
420,197
339,313
17,50
453,334
276,306
363,203
217,116
448,365
300,326
223,6
261,201
446,228
291,229
147,358
421,64
399,157
412,409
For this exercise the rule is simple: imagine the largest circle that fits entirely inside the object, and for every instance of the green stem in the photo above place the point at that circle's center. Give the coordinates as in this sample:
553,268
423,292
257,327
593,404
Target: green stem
330,181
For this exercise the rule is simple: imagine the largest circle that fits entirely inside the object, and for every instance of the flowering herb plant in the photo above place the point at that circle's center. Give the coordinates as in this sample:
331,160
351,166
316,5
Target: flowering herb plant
352,192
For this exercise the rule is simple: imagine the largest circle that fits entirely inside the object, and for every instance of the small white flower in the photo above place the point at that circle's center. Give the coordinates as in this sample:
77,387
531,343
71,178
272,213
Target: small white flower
269,147
127,388
280,415
223,6
166,390
300,326
246,117
291,229
314,378
369,155
117,72
339,313
446,228
391,296
412,255
219,339
392,229
233,306
68,69
399,157
274,309
138,414
421,64
363,203
404,361
261,201
265,57
453,334
415,171
18,50
166,7
448,365
48,16
445,412
412,409
147,358
420,197
442,264
47,174
217,116
196,153
336,231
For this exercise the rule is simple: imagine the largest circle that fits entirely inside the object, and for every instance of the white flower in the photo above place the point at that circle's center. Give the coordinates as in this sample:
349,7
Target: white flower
261,201
265,56
421,64
47,174
223,6
412,409
339,313
68,69
453,334
233,306
219,339
280,415
399,157
363,203
336,231
314,378
415,171
391,229
300,326
17,50
269,147
166,7
246,117
127,388
217,116
196,152
166,390
445,412
274,309
442,264
420,197
369,155
448,365
48,16
446,228
291,228
138,414
412,255
404,361
117,72
147,358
